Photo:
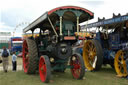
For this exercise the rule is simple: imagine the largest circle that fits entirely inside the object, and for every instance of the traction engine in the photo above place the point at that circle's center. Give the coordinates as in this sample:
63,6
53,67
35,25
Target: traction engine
110,46
52,49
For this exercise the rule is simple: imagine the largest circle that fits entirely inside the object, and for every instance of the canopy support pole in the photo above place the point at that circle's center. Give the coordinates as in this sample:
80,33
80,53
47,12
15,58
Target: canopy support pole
61,25
52,26
77,25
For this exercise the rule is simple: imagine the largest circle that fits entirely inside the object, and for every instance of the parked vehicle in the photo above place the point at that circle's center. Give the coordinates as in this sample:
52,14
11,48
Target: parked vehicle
110,46
16,44
52,49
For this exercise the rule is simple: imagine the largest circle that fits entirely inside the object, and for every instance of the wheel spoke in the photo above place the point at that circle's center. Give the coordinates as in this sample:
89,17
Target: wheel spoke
122,58
91,58
94,54
43,69
25,58
120,67
86,50
89,46
123,64
119,61
76,71
124,67
92,47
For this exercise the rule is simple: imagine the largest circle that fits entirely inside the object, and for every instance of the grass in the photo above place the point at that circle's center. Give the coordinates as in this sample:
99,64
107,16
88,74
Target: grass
106,76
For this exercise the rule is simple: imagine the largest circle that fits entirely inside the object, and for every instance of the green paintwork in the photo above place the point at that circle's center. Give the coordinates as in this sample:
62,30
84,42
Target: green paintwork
61,12
45,44
65,31
77,13
62,65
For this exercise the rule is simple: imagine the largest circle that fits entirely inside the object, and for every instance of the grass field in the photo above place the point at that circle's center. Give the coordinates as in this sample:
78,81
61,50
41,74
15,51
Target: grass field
106,76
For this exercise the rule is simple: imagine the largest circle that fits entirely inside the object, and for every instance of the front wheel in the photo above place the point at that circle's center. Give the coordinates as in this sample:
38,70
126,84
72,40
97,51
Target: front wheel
120,64
92,55
77,64
44,69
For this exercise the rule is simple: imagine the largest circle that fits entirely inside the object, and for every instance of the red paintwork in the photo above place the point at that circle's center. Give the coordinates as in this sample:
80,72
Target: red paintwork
70,7
82,38
42,69
17,39
69,38
25,59
77,67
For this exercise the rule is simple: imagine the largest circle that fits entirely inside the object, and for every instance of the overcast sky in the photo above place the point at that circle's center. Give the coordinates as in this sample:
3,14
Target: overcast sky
15,12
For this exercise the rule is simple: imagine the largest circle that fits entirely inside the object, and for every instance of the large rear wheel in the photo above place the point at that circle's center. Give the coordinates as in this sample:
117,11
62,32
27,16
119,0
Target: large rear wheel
30,56
44,69
120,64
92,55
78,68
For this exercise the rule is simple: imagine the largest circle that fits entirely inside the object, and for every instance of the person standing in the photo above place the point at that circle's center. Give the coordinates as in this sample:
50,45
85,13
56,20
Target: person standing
5,53
14,62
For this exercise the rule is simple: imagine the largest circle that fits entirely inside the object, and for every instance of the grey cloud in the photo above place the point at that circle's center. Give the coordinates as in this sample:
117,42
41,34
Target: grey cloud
13,17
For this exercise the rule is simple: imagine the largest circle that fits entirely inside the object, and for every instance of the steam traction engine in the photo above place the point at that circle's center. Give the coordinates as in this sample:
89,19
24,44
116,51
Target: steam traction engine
52,49
110,46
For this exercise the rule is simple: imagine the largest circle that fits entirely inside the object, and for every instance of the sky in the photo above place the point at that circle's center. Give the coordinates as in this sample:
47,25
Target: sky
16,14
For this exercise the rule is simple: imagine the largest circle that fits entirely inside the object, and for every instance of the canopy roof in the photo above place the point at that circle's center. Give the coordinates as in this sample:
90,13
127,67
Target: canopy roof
67,12
111,23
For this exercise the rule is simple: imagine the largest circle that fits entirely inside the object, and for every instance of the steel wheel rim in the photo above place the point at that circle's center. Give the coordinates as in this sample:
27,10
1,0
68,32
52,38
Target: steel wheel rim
25,56
120,64
42,69
76,70
89,55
